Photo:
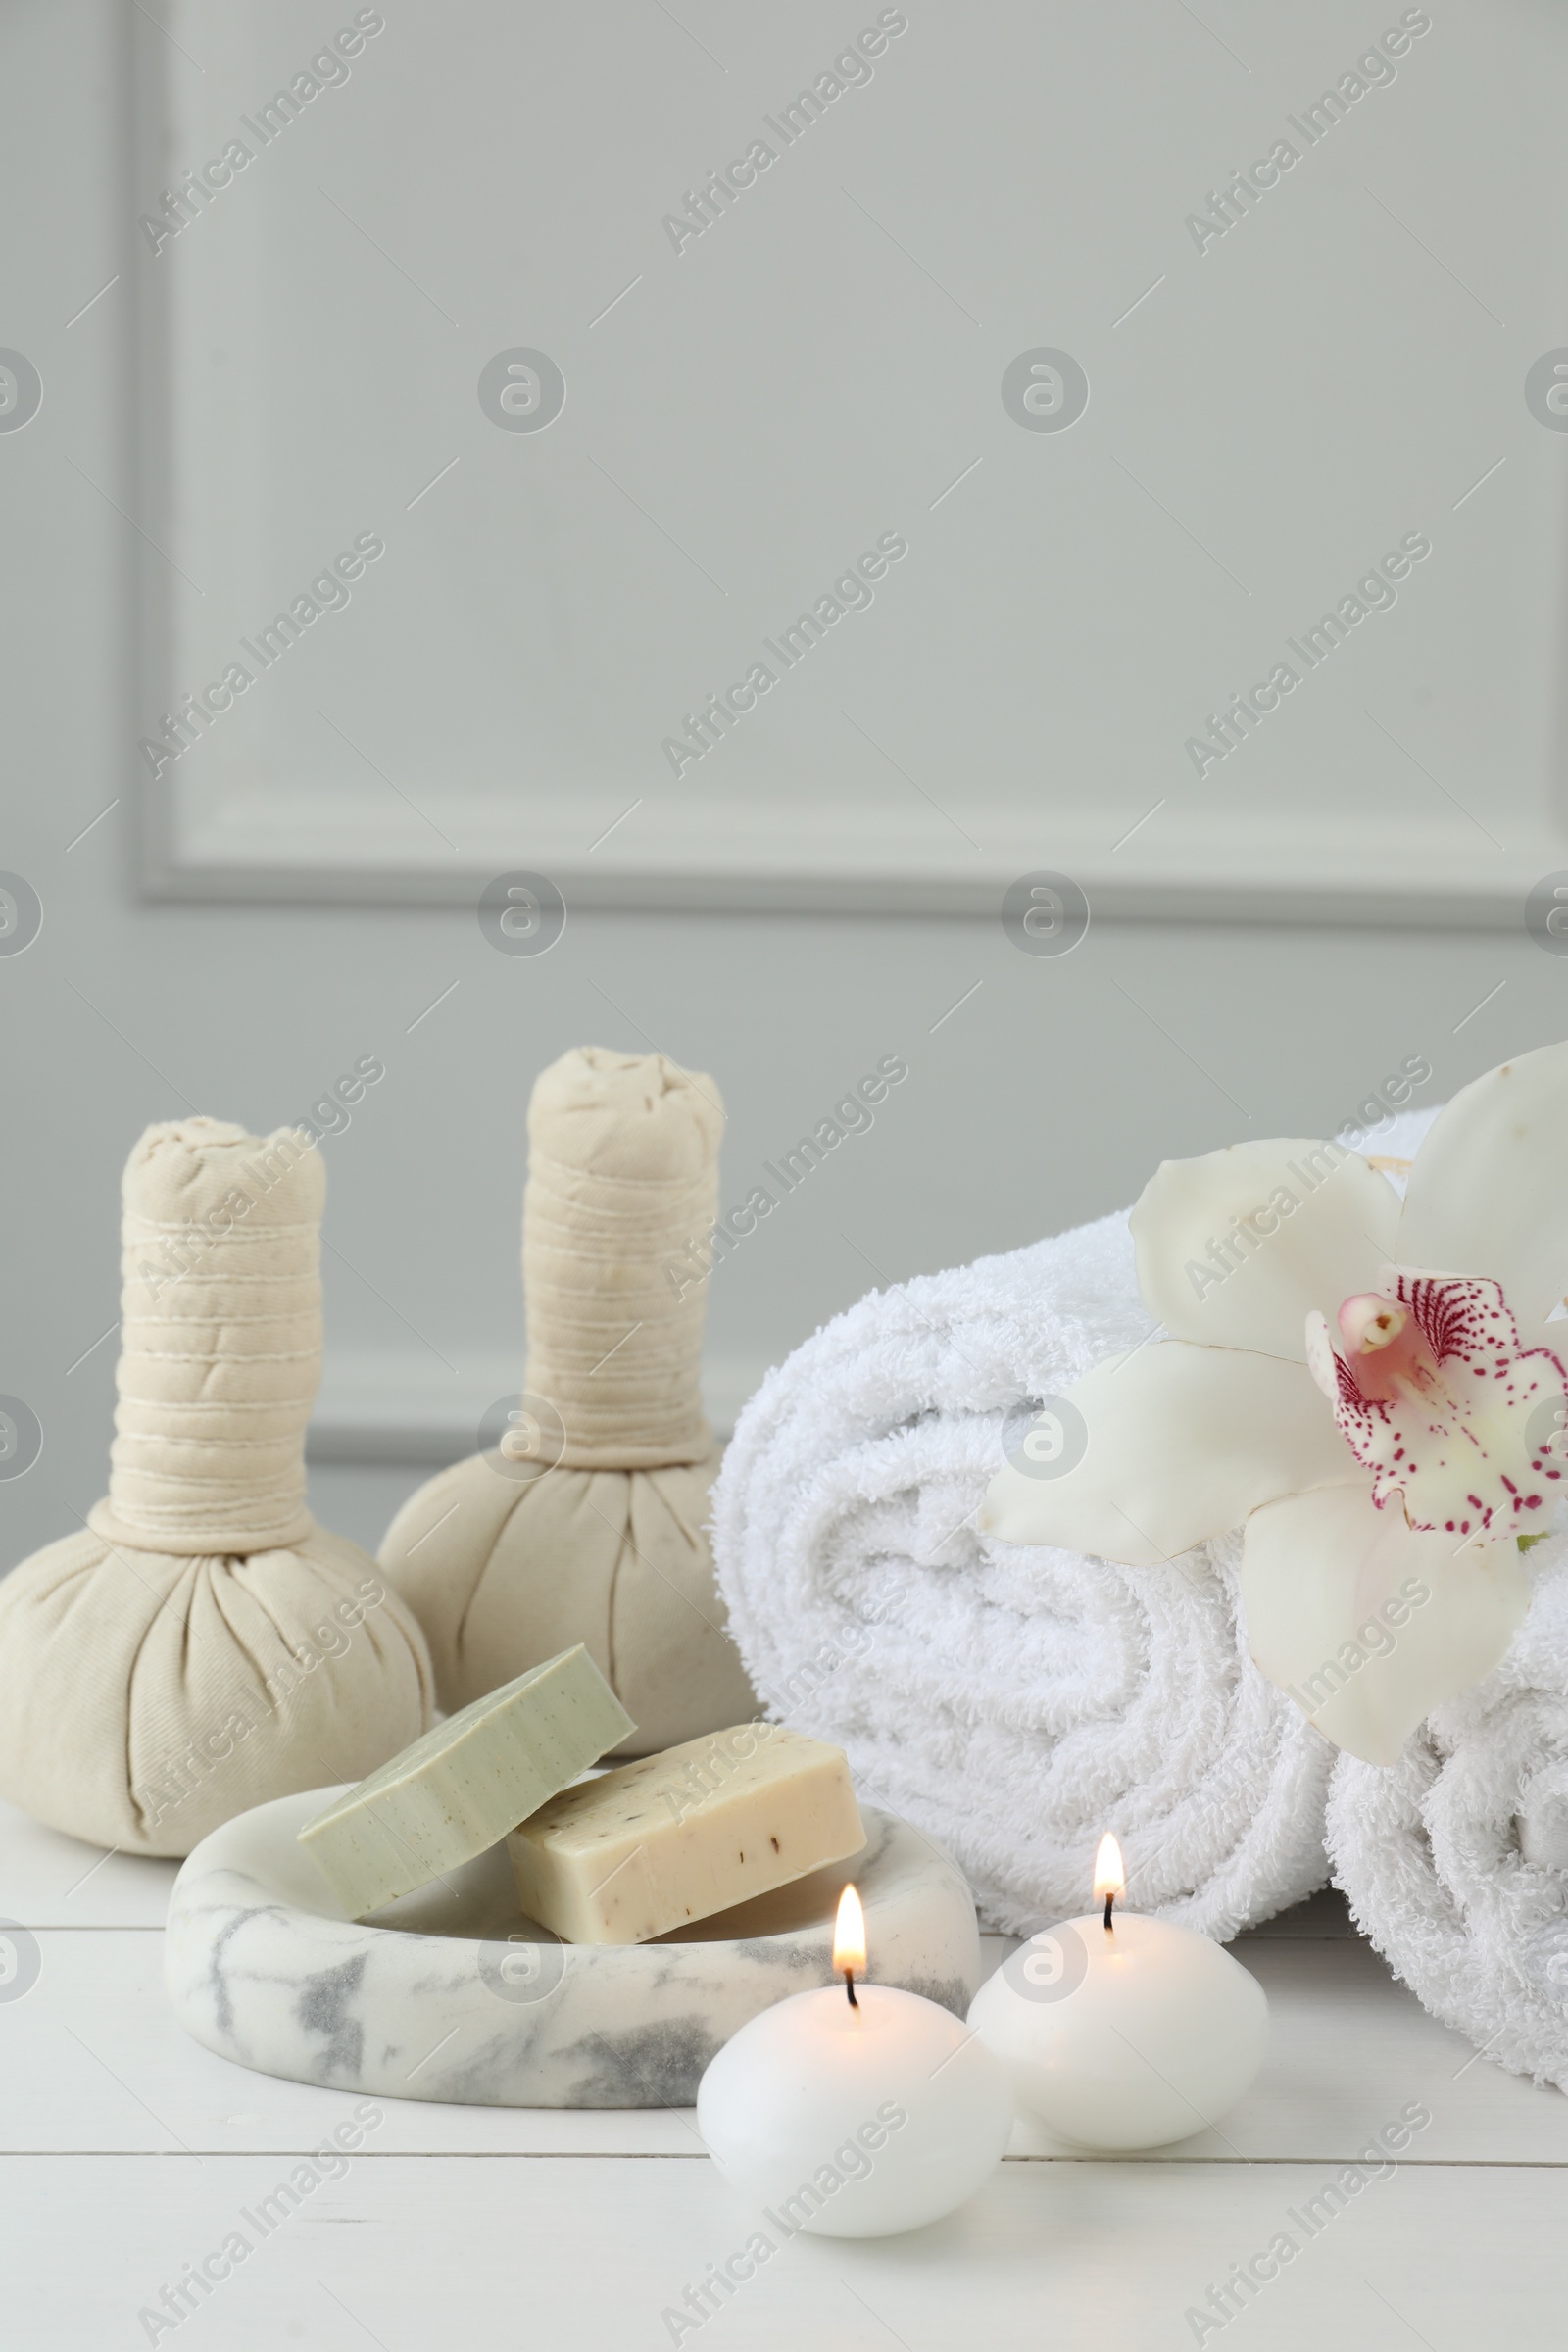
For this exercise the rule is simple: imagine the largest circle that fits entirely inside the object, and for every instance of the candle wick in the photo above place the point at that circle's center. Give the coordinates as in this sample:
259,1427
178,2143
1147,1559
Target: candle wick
1109,1899
848,1987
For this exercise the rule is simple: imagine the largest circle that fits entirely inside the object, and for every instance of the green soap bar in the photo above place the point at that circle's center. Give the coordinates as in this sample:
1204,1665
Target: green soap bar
462,1786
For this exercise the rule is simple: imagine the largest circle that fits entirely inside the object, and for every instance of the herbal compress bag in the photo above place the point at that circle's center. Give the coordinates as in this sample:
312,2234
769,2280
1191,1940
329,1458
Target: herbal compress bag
200,1644
588,1522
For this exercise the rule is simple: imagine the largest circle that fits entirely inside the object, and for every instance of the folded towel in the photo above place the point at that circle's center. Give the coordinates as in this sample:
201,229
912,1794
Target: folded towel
1013,1703
1455,1859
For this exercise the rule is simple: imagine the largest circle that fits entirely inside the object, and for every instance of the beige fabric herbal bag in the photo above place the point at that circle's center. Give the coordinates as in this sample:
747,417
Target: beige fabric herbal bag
587,1523
200,1645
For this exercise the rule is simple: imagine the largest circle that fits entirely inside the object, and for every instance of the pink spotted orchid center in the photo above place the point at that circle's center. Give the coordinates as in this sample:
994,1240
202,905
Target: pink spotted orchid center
1436,1394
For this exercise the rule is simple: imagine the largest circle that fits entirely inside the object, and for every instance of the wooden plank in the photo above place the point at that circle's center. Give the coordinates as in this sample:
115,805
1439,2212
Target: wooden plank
50,1880
404,2253
92,2058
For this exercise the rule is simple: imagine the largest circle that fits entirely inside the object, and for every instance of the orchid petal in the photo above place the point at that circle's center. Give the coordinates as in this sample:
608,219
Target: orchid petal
1487,1195
1471,1439
1368,1625
1179,1443
1302,1225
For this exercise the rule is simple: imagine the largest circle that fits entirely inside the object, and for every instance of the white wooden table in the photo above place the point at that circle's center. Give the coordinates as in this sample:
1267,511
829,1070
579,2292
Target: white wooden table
128,2153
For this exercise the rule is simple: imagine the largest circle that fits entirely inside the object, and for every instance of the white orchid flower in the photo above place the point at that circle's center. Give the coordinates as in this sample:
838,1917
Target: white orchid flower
1388,1486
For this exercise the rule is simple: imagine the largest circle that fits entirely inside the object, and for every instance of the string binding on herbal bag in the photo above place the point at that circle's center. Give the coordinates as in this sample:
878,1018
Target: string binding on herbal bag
617,1221
221,1341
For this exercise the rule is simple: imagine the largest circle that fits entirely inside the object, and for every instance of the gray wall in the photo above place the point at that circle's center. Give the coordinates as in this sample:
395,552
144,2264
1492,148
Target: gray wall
1047,1098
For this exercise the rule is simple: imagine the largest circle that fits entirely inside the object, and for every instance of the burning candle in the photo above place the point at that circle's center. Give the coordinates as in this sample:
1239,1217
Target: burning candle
854,2111
1121,2031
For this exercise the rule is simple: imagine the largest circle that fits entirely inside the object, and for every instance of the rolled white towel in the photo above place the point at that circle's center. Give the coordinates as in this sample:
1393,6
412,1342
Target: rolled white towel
1455,1859
1012,1702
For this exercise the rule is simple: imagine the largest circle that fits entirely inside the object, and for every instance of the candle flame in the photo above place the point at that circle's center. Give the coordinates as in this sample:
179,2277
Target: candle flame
1109,1875
849,1936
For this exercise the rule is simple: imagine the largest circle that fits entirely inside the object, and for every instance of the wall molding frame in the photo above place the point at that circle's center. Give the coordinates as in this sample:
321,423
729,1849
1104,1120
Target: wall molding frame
263,836
1427,894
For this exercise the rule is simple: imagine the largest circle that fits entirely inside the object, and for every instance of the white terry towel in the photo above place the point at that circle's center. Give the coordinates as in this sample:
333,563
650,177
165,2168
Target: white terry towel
1455,1859
1013,1703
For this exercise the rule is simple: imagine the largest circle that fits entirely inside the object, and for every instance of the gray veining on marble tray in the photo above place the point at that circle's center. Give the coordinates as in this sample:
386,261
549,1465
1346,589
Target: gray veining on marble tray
451,1995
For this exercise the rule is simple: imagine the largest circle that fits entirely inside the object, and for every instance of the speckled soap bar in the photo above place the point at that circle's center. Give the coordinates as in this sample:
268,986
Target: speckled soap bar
645,1849
462,1786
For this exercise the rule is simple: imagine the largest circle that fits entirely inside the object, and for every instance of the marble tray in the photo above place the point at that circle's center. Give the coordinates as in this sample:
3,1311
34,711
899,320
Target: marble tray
449,1994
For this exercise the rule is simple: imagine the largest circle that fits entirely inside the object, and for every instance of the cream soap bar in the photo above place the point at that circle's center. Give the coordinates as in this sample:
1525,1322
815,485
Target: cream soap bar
677,1836
462,1787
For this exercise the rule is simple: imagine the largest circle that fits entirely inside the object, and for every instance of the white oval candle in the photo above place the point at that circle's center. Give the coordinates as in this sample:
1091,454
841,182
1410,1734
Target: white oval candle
1121,2031
855,2113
